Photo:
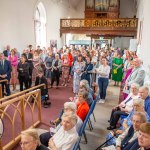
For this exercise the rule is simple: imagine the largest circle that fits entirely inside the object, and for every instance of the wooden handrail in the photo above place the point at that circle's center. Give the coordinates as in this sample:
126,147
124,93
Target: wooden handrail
22,92
21,104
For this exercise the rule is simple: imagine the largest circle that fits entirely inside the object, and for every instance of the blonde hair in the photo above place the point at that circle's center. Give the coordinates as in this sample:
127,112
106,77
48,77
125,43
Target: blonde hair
138,101
31,132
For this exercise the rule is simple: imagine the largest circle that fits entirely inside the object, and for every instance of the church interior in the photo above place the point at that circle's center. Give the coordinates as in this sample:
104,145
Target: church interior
72,74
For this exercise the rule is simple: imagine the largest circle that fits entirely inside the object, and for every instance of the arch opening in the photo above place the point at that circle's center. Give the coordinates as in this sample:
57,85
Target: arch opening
40,25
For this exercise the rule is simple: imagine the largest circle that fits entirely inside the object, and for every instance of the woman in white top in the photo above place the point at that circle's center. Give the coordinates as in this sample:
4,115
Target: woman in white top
103,72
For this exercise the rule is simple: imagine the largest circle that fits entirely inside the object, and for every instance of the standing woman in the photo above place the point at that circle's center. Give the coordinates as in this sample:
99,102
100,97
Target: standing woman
77,69
56,67
65,69
70,58
48,64
36,64
13,58
23,73
87,70
103,80
117,71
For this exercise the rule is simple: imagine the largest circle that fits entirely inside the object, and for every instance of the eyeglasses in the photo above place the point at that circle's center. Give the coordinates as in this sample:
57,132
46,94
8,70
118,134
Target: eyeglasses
25,143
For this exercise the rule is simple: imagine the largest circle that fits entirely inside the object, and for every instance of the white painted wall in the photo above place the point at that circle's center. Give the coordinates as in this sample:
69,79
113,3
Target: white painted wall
143,14
17,21
122,42
143,11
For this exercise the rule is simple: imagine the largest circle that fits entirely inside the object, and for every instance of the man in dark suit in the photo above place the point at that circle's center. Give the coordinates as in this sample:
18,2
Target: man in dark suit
29,59
5,73
7,51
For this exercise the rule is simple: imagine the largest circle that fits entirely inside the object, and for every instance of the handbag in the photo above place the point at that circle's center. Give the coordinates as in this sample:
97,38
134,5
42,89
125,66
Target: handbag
115,71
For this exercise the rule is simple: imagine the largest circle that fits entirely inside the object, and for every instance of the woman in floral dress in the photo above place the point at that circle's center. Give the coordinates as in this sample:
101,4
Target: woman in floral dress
65,69
77,69
36,64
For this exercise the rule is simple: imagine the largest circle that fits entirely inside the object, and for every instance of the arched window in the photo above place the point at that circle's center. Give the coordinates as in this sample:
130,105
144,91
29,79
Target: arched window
40,25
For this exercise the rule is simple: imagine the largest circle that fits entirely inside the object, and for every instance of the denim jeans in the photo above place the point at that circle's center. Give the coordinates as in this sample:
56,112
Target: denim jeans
103,83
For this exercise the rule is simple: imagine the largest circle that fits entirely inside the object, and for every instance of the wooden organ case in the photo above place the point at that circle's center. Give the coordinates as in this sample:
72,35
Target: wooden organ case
102,8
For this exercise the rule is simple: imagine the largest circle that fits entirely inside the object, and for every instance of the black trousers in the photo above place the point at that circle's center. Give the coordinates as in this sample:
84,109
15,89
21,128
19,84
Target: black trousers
44,138
30,77
23,81
55,75
115,115
6,86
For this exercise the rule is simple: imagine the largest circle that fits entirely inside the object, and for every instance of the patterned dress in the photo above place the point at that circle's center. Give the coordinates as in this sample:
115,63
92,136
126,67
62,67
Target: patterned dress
65,69
37,66
77,69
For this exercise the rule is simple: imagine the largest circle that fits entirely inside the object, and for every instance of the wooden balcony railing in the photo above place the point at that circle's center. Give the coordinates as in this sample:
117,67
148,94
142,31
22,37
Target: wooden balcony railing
18,109
99,26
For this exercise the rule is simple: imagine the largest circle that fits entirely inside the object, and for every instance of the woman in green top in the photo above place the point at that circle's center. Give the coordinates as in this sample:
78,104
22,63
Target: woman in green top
117,69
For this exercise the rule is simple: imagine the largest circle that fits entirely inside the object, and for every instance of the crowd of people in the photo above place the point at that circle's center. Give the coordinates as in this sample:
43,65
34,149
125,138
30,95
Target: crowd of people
91,71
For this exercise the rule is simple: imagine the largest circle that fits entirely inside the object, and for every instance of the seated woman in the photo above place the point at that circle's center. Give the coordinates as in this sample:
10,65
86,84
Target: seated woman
30,140
82,105
89,98
66,136
85,82
85,86
124,107
68,107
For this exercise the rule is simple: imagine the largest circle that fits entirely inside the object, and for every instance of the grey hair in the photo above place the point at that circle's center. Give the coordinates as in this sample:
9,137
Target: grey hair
142,116
138,101
145,88
136,85
72,116
84,81
84,93
70,105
